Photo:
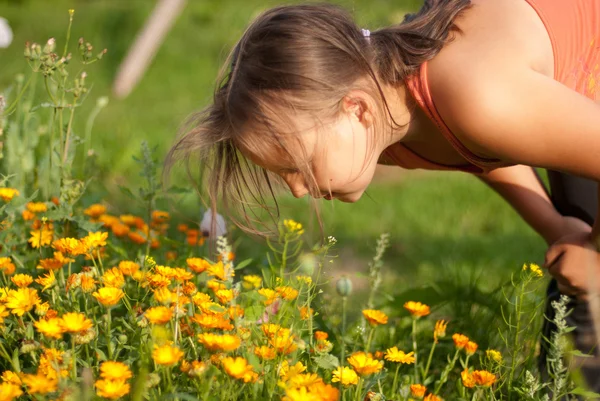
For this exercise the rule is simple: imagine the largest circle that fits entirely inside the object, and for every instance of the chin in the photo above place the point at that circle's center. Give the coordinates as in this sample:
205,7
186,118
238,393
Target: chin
351,198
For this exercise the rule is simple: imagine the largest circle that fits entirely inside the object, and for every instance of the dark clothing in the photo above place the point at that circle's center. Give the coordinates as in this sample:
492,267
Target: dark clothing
577,197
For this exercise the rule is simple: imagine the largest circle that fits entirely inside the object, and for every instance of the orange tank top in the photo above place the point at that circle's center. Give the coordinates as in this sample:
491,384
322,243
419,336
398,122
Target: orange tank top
574,30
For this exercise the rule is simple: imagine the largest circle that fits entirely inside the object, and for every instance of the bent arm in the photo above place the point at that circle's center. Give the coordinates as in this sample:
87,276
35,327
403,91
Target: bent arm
520,186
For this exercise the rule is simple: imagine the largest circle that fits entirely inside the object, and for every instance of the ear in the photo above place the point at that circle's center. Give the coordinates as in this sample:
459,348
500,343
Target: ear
357,104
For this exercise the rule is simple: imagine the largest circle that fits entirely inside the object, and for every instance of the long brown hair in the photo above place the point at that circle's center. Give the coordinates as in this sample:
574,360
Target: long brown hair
304,58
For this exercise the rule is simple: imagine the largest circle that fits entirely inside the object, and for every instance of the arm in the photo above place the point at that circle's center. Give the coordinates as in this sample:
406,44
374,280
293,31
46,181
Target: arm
520,186
526,118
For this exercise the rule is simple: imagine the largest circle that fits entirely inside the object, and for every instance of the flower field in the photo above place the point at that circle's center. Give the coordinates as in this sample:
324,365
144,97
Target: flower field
102,305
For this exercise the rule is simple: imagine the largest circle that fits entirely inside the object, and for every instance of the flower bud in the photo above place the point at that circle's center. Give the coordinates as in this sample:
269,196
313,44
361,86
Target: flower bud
50,46
344,286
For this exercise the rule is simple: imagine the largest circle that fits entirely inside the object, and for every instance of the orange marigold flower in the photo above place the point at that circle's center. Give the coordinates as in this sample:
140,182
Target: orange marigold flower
22,300
108,296
75,322
120,230
216,342
395,355
212,321
10,391
418,390
467,379
10,377
133,221
7,266
158,281
50,327
239,368
432,397
221,271
112,389
136,237
166,355
94,240
181,275
283,342
305,314
171,255
88,284
251,281
70,246
440,330
265,352
111,370
375,317
50,264
417,309
460,340
484,378
36,207
225,296
39,383
216,285
164,295
41,237
159,315
189,288
321,335
94,211
364,364
22,280
182,227
471,347
159,216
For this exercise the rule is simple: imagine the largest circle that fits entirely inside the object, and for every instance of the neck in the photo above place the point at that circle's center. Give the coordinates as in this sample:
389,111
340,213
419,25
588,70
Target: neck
402,107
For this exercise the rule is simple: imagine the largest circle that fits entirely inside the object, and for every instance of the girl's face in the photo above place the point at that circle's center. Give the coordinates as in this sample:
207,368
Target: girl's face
338,155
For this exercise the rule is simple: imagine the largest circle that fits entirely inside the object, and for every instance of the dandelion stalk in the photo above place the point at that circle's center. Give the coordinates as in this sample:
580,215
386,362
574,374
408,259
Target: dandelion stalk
395,379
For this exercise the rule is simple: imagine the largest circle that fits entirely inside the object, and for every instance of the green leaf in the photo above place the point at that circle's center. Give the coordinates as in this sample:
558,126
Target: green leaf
127,192
327,361
585,393
243,264
254,312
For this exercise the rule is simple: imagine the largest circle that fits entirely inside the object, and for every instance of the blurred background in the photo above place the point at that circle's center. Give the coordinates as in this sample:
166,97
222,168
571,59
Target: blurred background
449,233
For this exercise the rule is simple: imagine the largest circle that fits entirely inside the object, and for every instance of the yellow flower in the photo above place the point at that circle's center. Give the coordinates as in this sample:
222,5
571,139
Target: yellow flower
440,330
268,293
467,379
22,280
305,279
108,296
321,335
95,240
50,327
460,340
375,317
39,383
166,355
305,313
74,322
70,246
113,278
293,227
216,342
394,355
364,364
164,295
432,397
239,368
221,271
344,375
224,296
417,309
159,315
8,193
11,377
112,389
283,341
46,281
128,268
471,347
7,266
41,237
251,281
9,391
288,372
158,281
22,300
110,370
181,274
418,390
494,355
535,269
287,293
484,378
265,352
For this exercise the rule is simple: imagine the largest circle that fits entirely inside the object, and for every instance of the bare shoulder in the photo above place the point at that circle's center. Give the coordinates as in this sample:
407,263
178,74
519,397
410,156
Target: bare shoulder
472,76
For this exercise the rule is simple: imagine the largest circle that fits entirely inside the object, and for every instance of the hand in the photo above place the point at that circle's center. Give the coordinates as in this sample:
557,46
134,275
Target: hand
575,264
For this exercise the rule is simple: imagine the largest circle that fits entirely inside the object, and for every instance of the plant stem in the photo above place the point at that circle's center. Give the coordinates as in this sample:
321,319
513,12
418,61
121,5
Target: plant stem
414,340
74,373
108,335
446,372
368,347
395,380
428,361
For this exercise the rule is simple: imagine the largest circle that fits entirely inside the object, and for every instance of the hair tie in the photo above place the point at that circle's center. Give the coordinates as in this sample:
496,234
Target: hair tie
366,33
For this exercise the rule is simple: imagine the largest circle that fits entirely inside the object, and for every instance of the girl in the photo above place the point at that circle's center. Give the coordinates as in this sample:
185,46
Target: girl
489,87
